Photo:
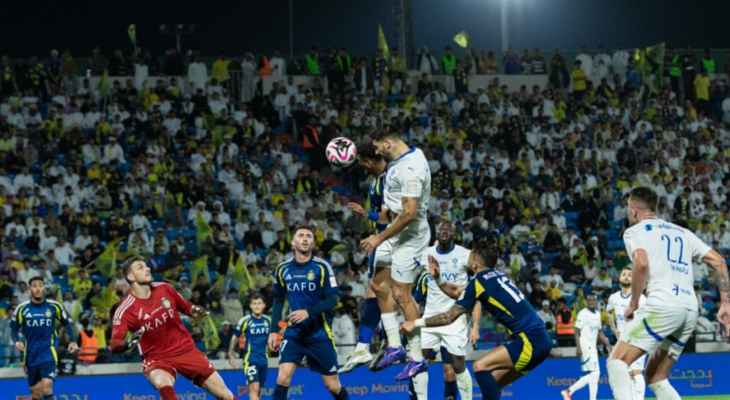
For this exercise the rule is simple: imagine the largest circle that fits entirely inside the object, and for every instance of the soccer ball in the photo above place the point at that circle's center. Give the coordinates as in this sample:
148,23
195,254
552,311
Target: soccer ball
341,152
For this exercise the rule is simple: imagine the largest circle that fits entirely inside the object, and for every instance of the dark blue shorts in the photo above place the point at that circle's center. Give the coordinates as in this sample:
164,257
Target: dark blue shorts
256,373
42,371
529,349
321,354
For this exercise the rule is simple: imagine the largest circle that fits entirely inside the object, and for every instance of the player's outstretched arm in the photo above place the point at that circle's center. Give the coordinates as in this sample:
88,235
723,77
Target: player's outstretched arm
717,262
445,318
410,211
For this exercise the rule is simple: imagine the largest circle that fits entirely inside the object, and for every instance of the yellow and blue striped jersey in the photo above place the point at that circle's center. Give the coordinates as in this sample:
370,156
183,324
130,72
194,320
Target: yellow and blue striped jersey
37,324
503,300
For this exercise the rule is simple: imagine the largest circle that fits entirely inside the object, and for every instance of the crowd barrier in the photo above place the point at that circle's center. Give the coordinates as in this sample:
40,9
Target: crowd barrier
694,375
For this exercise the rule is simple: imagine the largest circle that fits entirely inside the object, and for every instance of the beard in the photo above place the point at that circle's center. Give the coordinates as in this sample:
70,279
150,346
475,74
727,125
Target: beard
625,284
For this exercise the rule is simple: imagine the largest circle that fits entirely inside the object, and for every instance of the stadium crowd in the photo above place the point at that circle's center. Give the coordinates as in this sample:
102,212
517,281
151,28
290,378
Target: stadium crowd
207,179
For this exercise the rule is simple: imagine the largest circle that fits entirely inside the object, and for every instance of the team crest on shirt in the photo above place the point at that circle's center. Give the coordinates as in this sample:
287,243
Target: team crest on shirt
48,313
310,276
165,302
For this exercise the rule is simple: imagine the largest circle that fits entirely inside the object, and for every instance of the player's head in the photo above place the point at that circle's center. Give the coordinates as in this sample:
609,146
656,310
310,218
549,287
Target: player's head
591,301
388,144
257,303
445,233
37,289
484,255
642,201
625,278
303,240
136,271
369,159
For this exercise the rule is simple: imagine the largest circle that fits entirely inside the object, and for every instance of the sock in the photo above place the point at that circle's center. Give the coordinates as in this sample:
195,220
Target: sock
414,346
342,395
411,390
590,379
168,393
280,392
664,391
488,386
450,390
463,381
619,379
392,330
639,387
370,319
420,385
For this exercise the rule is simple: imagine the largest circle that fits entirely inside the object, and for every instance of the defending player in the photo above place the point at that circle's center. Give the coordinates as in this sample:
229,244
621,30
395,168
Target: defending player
378,260
34,330
587,332
252,331
151,312
448,276
406,197
662,255
530,344
308,284
617,303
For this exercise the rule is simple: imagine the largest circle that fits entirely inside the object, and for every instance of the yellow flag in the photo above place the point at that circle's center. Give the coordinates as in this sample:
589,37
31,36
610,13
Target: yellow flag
105,84
239,273
202,229
210,334
107,260
462,39
383,43
199,266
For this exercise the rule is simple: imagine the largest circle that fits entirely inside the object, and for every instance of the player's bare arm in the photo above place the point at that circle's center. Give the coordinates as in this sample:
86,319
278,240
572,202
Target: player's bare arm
717,262
410,210
476,316
442,319
232,350
639,273
449,289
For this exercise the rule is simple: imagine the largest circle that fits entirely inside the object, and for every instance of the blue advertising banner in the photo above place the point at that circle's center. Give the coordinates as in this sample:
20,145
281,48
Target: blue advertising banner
694,375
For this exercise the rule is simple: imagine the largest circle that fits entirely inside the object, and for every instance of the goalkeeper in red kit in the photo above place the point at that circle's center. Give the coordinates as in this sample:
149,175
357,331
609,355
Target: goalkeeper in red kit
151,312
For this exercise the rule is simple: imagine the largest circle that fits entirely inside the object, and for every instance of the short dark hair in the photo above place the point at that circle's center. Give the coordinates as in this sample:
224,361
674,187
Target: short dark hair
303,226
256,296
646,196
488,251
386,134
367,151
127,264
35,278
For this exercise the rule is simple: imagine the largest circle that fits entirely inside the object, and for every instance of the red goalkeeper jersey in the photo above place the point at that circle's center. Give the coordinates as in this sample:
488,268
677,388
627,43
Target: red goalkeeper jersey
164,334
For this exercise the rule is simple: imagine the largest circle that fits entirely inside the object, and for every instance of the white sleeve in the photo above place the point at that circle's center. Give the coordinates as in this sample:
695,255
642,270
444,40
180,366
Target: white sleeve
609,304
412,182
633,242
580,320
699,248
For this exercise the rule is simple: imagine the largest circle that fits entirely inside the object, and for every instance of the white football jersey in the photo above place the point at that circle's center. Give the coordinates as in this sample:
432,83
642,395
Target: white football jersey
589,323
409,176
453,267
618,303
670,250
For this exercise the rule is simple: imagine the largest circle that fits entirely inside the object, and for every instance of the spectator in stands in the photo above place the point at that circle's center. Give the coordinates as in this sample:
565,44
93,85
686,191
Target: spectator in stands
547,316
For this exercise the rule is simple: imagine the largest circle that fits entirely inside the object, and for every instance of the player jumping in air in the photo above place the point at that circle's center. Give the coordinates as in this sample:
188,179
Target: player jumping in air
308,284
530,343
378,260
662,255
406,196
34,328
252,332
617,303
151,312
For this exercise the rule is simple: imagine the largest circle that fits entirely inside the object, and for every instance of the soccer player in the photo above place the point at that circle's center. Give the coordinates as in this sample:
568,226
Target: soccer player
151,312
406,197
449,273
34,330
662,254
530,344
253,331
378,260
587,332
308,284
617,303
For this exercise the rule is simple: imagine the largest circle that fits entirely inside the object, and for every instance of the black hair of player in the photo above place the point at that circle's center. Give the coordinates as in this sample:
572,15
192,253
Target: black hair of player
488,251
305,227
383,134
127,265
367,151
256,296
35,278
646,196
